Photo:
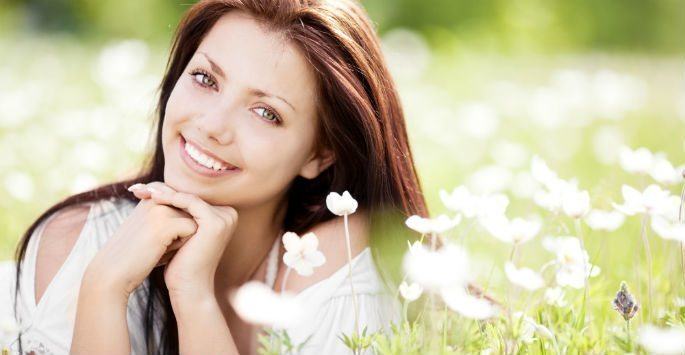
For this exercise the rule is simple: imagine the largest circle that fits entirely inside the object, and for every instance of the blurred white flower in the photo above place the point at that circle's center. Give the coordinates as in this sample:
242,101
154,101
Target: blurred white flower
664,172
478,120
301,253
410,292
509,154
653,200
121,61
456,298
575,203
341,205
257,303
638,161
558,194
438,225
470,205
572,261
606,143
9,330
615,94
662,340
528,328
604,220
19,185
555,296
523,277
515,231
446,266
490,179
668,230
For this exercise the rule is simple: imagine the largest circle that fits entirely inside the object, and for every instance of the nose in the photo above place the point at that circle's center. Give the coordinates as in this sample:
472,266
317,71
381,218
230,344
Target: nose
216,125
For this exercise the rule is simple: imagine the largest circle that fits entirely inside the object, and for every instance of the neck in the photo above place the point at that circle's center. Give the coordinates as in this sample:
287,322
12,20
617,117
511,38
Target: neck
251,242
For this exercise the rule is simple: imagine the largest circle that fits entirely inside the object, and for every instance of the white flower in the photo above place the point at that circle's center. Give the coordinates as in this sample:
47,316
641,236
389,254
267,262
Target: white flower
662,340
575,203
301,253
572,260
653,200
461,200
637,161
555,296
668,230
664,172
515,231
558,195
437,225
523,277
604,220
456,298
256,303
341,205
410,292
528,328
435,269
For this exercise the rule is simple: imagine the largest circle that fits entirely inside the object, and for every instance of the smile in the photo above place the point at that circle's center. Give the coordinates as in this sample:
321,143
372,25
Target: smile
202,163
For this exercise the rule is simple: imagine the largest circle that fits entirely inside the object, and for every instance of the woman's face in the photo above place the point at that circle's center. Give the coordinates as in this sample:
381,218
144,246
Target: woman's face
247,98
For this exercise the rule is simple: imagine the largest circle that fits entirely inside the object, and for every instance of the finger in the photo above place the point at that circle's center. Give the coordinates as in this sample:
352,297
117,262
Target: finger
182,228
160,186
139,190
195,206
166,258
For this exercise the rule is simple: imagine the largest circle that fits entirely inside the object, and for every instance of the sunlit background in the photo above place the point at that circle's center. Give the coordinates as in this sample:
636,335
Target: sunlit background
485,85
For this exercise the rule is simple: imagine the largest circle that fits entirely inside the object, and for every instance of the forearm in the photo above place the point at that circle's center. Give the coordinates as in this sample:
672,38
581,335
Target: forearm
202,328
101,325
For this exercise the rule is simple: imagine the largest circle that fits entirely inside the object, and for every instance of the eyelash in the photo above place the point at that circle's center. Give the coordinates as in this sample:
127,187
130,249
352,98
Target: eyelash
193,73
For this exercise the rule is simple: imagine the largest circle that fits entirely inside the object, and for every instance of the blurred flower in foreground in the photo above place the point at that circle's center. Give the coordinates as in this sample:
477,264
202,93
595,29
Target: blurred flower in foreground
624,303
446,266
555,296
257,303
341,205
440,224
572,260
515,231
456,298
638,161
410,292
662,340
653,200
523,277
604,220
301,253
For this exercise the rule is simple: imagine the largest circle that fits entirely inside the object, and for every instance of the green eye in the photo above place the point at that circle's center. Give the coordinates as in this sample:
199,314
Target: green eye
269,115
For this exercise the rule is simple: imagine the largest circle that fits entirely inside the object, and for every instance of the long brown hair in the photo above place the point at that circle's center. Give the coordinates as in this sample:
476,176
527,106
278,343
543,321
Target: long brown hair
359,112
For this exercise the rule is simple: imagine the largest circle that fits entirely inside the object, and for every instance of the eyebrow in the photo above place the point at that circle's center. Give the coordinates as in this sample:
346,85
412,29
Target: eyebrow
253,91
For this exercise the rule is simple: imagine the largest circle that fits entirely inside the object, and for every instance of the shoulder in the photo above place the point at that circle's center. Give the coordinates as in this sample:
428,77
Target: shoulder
332,244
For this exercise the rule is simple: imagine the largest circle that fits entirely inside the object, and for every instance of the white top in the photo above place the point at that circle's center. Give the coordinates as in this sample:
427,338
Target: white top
47,327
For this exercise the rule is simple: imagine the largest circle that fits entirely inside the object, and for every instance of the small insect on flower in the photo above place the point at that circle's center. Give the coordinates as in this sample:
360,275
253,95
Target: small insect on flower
624,303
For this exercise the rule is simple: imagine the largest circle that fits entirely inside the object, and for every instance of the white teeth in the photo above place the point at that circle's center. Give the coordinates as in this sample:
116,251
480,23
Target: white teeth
203,159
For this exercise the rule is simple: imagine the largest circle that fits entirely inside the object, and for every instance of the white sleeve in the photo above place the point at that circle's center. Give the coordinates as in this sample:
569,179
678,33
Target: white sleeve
335,317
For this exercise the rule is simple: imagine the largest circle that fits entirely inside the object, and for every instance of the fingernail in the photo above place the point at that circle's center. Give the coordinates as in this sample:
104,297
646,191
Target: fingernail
135,187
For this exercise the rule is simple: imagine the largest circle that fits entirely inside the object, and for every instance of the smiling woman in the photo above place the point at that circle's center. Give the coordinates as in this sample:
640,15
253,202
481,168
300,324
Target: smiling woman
265,108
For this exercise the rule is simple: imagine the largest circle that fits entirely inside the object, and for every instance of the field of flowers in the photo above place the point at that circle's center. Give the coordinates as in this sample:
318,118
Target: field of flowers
554,182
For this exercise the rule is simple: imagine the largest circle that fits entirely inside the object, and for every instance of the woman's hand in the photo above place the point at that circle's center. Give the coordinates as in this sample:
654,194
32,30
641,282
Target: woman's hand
192,268
146,235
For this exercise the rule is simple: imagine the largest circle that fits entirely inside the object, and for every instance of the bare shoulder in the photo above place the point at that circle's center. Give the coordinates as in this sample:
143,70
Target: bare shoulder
57,241
332,244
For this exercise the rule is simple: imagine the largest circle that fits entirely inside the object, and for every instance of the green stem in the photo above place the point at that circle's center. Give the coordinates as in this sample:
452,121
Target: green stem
630,342
648,255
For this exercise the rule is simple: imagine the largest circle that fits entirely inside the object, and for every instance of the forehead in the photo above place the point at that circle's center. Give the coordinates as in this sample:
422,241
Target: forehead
255,57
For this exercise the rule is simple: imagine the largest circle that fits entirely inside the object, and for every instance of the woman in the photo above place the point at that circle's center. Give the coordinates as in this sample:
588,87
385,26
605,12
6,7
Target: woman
266,106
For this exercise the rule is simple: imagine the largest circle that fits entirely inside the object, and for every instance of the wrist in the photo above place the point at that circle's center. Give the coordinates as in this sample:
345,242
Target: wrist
187,302
97,285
